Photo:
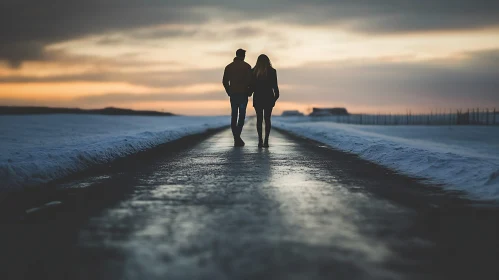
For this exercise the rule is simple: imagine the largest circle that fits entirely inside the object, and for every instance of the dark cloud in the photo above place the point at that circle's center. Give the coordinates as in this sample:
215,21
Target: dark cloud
110,40
196,32
16,52
98,100
26,26
163,33
378,16
471,82
85,77
155,79
386,16
247,31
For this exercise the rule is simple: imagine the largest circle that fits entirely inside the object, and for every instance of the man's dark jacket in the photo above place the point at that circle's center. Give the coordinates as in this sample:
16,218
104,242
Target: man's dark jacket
237,76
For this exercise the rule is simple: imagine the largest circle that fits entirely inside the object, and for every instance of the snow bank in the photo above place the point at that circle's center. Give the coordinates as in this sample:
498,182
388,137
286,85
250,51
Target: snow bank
461,158
36,149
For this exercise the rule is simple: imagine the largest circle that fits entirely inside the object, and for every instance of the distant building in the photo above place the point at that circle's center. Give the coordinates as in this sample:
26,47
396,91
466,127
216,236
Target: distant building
291,113
319,112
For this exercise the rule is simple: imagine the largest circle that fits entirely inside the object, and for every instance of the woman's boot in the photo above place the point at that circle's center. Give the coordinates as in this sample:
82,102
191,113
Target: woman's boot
266,142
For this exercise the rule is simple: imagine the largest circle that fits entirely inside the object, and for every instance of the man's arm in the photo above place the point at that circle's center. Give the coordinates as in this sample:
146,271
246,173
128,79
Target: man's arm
275,86
251,82
226,81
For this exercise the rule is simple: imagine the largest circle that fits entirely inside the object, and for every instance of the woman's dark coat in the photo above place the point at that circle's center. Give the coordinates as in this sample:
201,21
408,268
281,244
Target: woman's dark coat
265,88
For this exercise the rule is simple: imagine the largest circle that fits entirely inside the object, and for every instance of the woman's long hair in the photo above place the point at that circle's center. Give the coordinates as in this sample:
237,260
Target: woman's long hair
262,66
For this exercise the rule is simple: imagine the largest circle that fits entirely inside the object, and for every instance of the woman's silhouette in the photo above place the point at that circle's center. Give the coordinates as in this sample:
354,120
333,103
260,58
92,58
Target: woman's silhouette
266,92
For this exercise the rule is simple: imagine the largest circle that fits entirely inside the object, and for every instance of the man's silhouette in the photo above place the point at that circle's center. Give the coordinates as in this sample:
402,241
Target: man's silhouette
237,76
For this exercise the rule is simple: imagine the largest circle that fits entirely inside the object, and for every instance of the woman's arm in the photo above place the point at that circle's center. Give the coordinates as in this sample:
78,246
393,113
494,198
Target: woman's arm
226,81
251,86
275,86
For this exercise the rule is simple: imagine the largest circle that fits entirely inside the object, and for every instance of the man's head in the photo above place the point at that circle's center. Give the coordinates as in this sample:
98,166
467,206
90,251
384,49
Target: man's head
241,53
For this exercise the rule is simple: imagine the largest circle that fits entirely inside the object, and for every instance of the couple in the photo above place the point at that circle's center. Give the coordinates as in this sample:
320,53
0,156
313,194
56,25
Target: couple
240,82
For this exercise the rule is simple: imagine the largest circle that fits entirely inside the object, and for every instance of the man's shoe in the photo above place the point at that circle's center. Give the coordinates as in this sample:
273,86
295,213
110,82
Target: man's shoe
238,142
266,144
260,143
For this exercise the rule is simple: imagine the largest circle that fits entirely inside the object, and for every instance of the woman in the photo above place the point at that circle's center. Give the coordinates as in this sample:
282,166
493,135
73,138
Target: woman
266,92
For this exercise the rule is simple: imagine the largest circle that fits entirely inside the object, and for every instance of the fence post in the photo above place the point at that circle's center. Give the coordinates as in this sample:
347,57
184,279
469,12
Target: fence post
479,116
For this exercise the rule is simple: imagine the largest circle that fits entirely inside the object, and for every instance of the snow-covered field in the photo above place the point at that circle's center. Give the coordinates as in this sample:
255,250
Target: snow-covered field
36,149
460,157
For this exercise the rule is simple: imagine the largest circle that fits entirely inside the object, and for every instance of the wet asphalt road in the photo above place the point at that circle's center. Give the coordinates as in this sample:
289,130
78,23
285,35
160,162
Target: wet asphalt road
211,211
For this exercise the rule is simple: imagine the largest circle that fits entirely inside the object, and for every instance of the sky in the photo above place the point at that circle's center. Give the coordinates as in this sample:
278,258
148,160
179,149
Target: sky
371,56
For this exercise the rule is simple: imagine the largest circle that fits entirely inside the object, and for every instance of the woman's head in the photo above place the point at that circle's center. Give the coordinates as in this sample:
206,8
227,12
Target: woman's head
262,65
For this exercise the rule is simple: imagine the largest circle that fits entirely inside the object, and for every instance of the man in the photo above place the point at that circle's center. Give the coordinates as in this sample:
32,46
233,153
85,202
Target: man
236,80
